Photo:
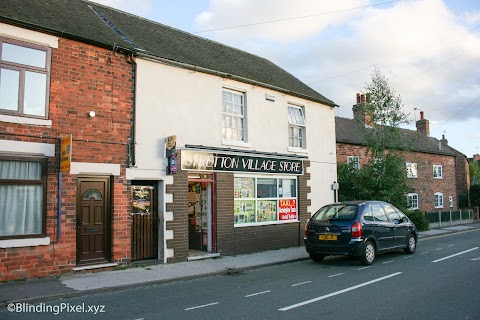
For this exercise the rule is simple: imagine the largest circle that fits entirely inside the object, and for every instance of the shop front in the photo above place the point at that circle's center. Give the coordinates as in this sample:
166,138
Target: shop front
241,202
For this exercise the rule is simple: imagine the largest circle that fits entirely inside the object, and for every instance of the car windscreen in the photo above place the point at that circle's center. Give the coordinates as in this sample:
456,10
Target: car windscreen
336,212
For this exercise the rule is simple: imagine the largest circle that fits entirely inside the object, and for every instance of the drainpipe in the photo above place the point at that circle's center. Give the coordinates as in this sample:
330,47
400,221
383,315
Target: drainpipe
132,133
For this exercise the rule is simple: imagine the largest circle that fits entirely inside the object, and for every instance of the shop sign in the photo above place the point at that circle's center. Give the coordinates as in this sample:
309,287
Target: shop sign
66,154
171,153
287,209
203,161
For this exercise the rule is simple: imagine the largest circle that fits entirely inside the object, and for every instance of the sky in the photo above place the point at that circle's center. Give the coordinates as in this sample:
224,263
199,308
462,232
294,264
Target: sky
429,50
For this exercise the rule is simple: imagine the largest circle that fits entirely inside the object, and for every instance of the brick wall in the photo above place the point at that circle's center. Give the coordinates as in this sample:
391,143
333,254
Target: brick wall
425,185
83,78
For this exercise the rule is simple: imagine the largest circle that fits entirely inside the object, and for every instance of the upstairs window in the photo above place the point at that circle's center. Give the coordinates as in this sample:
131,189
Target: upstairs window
437,172
354,161
233,115
296,127
411,170
24,78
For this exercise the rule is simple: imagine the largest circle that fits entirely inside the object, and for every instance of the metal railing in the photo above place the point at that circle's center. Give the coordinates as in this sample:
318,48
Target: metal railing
449,218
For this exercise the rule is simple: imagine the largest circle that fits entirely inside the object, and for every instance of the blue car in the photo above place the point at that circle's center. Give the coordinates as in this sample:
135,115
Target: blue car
359,228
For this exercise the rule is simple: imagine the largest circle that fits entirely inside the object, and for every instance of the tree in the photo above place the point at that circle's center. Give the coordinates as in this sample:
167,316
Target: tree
384,176
474,173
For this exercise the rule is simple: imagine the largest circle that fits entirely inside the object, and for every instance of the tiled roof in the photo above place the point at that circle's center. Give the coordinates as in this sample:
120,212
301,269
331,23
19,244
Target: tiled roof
350,131
104,26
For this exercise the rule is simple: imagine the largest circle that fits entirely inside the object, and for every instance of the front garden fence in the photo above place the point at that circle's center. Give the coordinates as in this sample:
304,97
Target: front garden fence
449,218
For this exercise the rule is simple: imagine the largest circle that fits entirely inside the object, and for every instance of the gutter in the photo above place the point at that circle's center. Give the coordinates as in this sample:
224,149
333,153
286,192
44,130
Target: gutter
229,76
132,143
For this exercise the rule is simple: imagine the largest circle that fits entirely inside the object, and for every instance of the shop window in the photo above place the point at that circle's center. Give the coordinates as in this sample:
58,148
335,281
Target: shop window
437,172
22,197
296,127
412,199
24,78
354,161
411,170
260,200
233,115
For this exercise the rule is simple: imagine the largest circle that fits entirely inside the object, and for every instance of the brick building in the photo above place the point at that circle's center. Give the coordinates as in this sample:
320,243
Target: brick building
437,173
123,139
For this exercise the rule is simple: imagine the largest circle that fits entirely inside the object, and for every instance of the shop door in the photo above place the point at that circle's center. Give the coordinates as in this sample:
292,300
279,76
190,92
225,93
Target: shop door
144,223
200,217
93,220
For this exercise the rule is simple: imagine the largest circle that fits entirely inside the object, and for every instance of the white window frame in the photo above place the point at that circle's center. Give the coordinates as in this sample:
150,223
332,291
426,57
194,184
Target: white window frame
233,116
437,171
412,170
296,128
438,199
412,198
25,69
355,160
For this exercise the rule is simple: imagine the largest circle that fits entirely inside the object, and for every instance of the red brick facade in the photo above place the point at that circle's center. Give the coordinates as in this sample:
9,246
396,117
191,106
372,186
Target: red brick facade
425,185
83,78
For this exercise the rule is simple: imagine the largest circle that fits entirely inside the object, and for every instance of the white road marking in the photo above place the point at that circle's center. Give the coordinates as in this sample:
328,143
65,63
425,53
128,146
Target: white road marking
293,306
256,294
425,252
438,249
202,306
475,259
454,255
388,261
364,268
451,245
407,257
299,284
336,275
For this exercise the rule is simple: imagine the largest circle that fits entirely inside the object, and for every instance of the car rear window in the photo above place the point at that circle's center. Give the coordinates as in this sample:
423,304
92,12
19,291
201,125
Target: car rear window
336,212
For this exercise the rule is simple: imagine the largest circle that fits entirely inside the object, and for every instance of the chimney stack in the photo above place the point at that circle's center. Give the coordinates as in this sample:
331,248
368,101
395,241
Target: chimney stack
359,112
423,125
444,141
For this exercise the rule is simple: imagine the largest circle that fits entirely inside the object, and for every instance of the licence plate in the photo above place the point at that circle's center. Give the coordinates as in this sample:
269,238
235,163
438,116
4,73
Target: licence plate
327,237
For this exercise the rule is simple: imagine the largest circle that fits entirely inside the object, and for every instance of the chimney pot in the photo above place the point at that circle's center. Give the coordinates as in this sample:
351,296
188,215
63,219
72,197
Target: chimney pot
421,115
362,98
358,98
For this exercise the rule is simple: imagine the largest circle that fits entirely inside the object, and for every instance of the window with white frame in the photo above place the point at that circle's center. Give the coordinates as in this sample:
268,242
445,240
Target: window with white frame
264,200
411,170
355,161
24,78
412,201
438,199
296,127
22,197
233,115
437,171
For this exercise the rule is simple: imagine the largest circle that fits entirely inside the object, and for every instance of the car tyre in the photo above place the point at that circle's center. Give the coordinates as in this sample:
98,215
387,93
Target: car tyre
368,254
316,257
411,245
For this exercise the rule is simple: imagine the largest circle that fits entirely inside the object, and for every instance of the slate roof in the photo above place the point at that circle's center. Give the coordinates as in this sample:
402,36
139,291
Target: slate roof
350,131
104,26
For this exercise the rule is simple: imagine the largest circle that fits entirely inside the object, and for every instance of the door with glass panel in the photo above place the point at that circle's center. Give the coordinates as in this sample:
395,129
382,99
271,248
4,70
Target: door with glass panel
93,220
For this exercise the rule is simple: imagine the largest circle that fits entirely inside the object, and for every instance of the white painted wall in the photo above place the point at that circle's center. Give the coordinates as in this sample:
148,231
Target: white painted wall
188,104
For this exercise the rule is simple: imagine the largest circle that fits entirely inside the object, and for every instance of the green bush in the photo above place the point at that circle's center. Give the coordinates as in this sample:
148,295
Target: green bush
418,217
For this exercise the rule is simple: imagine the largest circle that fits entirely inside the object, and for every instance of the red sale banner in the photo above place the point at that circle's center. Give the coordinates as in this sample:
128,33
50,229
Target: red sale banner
287,209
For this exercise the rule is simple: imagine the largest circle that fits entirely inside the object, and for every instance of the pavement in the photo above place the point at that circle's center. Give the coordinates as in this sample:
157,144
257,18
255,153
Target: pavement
74,285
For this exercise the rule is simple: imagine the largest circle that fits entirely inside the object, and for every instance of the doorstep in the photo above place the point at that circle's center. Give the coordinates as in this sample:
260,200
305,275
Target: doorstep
95,266
203,256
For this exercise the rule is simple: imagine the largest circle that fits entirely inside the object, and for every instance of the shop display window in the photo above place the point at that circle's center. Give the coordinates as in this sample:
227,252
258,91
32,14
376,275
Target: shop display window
261,200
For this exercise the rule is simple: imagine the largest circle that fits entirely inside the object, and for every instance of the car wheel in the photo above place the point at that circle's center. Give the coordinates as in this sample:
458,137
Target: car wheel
316,257
368,254
411,245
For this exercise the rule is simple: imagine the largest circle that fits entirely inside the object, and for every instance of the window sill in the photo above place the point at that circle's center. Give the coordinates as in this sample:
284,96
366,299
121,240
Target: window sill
25,120
242,225
235,143
30,242
297,150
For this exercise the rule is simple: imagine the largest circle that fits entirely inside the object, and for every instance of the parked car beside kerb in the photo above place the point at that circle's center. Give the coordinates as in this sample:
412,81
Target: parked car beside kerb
359,228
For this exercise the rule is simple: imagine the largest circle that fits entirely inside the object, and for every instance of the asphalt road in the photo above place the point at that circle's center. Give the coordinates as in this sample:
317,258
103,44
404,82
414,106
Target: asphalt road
440,281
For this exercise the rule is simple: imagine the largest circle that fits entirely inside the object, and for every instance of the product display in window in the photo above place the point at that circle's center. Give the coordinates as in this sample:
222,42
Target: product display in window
244,211
266,211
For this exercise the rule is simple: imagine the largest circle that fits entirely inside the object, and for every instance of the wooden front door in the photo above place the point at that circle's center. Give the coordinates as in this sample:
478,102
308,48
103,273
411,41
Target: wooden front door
144,222
93,220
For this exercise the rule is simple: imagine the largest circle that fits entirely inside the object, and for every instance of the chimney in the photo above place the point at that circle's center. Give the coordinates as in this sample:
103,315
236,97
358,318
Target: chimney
359,112
444,141
423,125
